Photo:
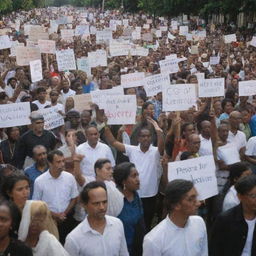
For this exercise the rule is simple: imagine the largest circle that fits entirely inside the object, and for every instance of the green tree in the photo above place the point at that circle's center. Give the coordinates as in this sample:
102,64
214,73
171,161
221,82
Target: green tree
5,6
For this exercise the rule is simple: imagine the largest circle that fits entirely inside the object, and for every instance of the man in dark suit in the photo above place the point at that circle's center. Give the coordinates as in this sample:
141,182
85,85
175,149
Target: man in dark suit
233,233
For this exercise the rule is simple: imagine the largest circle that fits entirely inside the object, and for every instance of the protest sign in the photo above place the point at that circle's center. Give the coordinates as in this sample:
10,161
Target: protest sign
247,88
253,41
98,58
170,36
119,49
84,65
200,170
154,84
52,118
13,48
26,54
5,31
38,36
47,46
200,76
194,49
169,66
104,35
66,60
163,28
147,37
214,60
158,33
174,24
179,97
82,30
120,109
5,42
82,102
132,79
14,114
136,35
214,87
99,96
230,38
183,30
139,51
146,26
36,70
67,34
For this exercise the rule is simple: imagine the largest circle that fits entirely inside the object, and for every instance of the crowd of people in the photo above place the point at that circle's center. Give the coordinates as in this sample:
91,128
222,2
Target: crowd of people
90,188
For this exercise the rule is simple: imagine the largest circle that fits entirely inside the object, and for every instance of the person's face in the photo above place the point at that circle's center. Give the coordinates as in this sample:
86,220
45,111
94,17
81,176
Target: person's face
85,118
15,133
149,111
41,96
74,120
5,221
249,200
131,91
57,164
54,96
40,156
246,117
132,183
65,85
194,144
223,132
190,129
206,128
70,102
144,138
38,125
20,193
189,204
228,108
13,83
235,120
217,107
92,135
36,224
97,204
71,136
106,172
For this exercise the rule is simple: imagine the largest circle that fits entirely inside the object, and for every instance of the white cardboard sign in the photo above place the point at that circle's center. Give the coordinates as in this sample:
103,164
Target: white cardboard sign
247,88
214,87
5,42
230,38
47,46
132,79
169,66
36,70
66,60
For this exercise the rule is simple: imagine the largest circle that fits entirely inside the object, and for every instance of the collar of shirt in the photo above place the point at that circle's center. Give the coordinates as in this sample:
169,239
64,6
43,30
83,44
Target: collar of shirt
88,146
49,176
174,226
150,147
87,228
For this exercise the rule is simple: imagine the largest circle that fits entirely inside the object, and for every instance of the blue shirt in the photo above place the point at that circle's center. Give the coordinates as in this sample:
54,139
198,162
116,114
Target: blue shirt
87,88
130,215
32,173
224,116
252,124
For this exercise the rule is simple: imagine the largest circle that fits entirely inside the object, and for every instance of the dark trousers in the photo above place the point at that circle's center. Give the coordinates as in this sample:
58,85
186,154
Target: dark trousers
149,205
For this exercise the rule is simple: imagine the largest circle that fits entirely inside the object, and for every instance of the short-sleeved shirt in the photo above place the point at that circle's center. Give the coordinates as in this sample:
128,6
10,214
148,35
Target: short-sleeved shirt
149,168
57,193
239,139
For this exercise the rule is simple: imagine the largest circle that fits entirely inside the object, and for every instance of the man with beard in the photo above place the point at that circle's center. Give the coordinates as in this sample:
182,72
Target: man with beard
39,167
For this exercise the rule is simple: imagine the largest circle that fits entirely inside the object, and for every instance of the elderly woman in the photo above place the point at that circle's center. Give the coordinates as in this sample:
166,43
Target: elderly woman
38,230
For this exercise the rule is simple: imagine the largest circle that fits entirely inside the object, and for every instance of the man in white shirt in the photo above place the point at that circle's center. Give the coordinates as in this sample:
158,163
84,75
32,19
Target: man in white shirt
147,161
98,234
66,91
11,86
179,233
205,137
93,150
54,95
233,232
41,101
250,152
235,136
59,190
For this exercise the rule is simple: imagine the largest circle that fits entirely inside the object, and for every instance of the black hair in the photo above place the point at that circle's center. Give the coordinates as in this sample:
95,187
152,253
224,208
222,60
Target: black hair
184,127
185,155
144,129
175,191
122,172
10,182
51,155
246,184
145,105
15,216
40,89
91,126
84,195
100,162
9,130
69,130
225,101
236,171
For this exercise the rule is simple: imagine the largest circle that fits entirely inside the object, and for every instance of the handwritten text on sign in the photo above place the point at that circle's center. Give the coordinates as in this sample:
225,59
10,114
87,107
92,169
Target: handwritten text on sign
26,54
179,97
169,66
120,109
14,114
132,79
66,60
52,118
36,70
247,88
211,87
47,46
153,84
201,171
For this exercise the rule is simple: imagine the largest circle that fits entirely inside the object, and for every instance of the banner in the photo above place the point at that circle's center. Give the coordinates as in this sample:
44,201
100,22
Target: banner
132,79
200,170
66,60
179,97
214,87
15,114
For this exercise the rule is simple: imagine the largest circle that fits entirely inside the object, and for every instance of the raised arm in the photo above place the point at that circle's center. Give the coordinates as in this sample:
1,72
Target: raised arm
112,140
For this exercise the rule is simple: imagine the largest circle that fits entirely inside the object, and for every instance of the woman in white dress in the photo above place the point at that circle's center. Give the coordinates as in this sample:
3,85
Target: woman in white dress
38,230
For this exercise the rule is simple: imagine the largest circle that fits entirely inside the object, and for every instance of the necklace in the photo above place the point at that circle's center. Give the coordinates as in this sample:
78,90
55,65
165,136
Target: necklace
12,148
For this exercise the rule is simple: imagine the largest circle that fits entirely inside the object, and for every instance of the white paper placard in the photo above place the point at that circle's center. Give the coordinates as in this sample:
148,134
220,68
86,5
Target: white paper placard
179,97
183,30
214,60
230,38
214,87
200,170
5,42
169,66
247,88
26,54
98,58
132,79
36,70
84,65
47,46
15,114
66,60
